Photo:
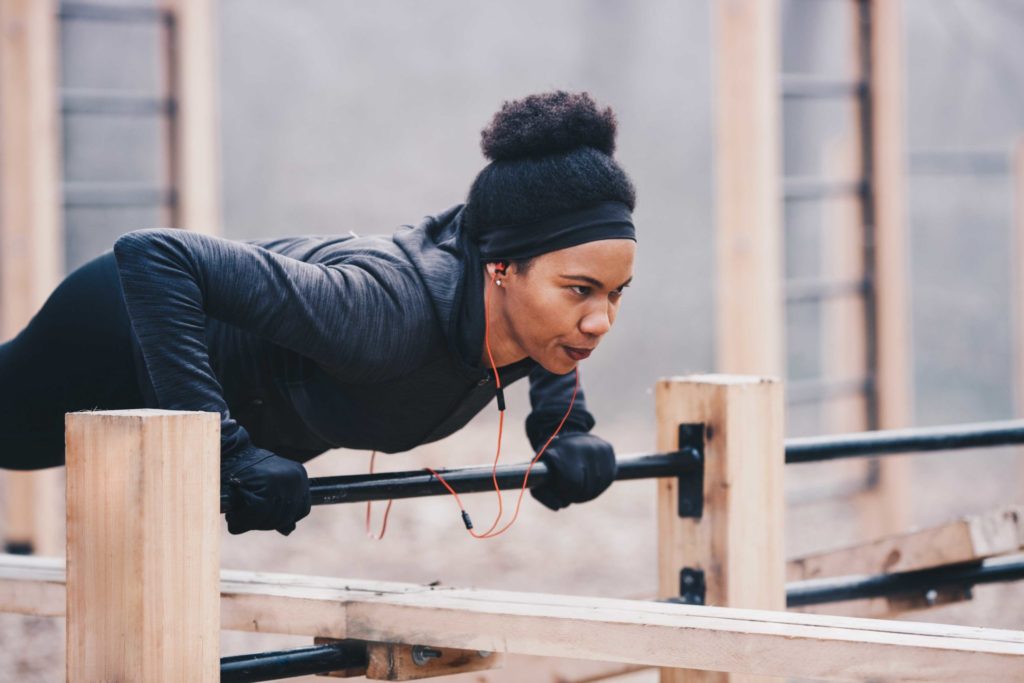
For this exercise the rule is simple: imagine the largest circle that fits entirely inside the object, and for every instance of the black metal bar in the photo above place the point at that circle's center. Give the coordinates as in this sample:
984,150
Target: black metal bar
865,120
813,390
799,188
110,194
918,440
360,488
269,666
798,86
806,291
690,489
414,484
819,591
114,103
84,11
19,548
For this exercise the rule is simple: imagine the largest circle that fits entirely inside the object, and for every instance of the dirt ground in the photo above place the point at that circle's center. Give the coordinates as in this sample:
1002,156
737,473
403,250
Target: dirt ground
604,548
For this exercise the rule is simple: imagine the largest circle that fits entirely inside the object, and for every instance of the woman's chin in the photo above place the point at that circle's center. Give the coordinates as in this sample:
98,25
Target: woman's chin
557,362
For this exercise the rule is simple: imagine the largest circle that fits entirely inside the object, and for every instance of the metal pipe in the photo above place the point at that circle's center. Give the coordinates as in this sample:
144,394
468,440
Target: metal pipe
798,188
113,103
84,11
960,162
798,86
819,591
808,390
270,666
894,441
420,483
114,194
811,290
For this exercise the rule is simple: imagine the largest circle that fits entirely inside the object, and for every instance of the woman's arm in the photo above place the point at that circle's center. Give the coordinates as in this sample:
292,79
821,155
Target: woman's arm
337,315
549,396
580,465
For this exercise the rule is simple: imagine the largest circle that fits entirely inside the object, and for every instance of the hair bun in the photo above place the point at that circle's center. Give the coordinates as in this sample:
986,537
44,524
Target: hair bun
548,123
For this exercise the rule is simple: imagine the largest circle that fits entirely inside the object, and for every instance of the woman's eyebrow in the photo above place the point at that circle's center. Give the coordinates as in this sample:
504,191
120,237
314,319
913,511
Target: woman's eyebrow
595,282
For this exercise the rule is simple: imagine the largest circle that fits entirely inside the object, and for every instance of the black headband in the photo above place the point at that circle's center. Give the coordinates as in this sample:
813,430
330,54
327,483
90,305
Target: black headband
604,221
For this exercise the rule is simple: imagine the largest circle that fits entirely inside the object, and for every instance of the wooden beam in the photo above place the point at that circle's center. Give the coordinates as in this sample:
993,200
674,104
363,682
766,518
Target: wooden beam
194,145
143,548
969,539
31,237
737,542
888,187
748,281
644,633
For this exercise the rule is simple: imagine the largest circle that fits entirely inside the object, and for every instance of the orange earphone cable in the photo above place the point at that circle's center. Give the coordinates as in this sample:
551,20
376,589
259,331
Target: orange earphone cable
490,533
369,508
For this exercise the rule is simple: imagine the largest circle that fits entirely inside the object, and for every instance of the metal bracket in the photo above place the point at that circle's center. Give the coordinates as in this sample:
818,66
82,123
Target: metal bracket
691,484
692,588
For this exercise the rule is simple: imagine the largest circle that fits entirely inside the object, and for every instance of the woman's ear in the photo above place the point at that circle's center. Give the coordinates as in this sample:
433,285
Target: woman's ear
496,270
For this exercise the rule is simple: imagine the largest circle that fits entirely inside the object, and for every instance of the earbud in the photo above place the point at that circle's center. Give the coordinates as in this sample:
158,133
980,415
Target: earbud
499,268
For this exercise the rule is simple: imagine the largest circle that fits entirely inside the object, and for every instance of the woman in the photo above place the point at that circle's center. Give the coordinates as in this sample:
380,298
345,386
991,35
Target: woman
310,343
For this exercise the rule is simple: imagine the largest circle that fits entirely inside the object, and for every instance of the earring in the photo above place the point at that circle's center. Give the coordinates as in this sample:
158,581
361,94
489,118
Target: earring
498,282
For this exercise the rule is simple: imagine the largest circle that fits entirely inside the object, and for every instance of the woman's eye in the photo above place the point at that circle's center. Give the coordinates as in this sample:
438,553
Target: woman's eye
616,294
582,290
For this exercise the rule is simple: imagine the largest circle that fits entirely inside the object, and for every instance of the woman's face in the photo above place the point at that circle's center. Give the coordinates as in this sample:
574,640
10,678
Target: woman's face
557,311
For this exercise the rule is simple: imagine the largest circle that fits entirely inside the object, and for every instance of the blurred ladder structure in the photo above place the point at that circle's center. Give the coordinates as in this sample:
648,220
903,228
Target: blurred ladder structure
31,217
866,383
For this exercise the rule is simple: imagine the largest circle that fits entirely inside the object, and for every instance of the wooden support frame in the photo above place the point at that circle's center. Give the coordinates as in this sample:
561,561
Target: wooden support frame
889,239
646,633
193,165
969,539
737,542
1017,299
143,549
31,231
748,187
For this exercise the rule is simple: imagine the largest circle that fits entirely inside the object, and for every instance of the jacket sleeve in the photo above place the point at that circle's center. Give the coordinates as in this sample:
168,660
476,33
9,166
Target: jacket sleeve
549,396
173,279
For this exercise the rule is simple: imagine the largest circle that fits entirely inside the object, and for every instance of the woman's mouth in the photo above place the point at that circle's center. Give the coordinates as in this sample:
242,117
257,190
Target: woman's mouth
577,354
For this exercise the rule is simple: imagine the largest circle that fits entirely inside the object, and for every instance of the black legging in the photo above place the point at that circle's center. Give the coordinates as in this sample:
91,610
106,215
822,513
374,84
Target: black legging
75,354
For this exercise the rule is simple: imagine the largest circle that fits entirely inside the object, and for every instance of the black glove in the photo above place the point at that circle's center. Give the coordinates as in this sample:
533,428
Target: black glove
266,491
580,467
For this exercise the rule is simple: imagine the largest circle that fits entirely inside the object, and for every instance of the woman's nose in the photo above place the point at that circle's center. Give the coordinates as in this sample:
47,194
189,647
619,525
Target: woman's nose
596,323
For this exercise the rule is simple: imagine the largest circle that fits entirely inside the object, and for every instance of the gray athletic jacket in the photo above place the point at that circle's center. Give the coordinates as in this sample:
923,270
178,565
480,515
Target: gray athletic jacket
305,344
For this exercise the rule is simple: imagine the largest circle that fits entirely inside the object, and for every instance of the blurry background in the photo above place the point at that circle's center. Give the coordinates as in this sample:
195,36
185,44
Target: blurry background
337,115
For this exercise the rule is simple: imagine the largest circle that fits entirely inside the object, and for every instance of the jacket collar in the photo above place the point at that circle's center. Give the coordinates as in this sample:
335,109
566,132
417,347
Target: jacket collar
449,266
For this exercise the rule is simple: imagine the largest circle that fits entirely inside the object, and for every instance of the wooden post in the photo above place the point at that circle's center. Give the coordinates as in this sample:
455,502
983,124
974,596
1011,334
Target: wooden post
31,243
1017,298
749,325
143,553
892,302
193,149
738,540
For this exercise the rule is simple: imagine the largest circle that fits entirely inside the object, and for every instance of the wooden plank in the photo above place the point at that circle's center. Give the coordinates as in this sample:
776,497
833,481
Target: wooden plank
643,633
737,542
143,547
748,281
31,231
194,159
968,539
892,504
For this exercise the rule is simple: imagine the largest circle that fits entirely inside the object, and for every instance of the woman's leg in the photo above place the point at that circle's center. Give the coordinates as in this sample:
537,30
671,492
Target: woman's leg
75,354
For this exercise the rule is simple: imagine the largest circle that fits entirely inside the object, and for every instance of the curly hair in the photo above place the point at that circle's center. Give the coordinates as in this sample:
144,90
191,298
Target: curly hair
549,153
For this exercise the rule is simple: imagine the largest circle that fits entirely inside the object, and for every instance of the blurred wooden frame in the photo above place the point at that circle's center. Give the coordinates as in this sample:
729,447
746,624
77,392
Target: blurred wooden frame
31,216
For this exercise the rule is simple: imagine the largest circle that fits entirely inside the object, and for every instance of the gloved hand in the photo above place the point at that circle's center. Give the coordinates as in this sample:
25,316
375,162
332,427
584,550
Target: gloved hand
580,467
266,491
